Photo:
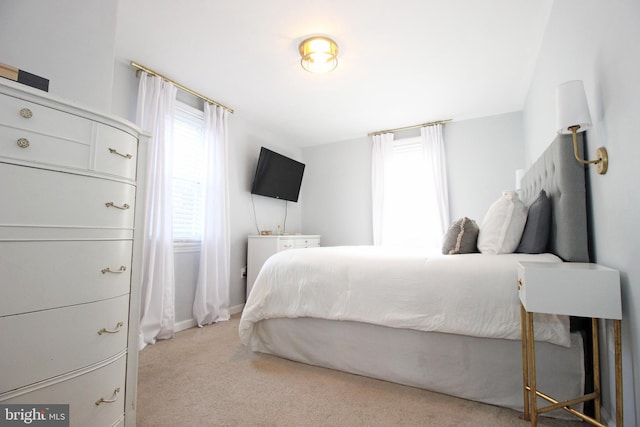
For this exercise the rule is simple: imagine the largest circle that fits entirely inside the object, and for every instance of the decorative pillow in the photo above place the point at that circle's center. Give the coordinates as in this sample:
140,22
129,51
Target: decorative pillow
502,225
535,236
461,238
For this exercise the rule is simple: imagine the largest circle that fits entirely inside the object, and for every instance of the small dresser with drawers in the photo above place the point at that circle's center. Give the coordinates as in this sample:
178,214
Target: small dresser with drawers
71,197
260,248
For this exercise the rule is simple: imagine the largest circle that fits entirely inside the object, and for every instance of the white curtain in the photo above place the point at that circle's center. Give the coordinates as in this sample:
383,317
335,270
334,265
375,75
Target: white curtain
433,153
156,106
211,302
410,205
381,152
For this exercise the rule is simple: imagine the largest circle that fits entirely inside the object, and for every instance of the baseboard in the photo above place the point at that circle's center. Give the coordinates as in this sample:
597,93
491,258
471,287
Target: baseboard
236,309
191,323
184,324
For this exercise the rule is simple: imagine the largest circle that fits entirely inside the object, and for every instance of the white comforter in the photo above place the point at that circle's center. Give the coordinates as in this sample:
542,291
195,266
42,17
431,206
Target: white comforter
472,294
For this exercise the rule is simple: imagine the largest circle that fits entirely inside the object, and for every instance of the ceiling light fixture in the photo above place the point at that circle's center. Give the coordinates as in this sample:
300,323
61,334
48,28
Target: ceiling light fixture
319,54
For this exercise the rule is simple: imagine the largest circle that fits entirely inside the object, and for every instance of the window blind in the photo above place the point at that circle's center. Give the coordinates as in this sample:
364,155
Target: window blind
188,172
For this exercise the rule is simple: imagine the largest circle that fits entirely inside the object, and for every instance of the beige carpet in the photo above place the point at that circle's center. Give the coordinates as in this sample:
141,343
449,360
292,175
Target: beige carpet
205,377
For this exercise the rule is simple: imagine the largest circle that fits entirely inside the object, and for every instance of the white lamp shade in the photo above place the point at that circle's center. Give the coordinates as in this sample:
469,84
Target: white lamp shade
519,174
571,107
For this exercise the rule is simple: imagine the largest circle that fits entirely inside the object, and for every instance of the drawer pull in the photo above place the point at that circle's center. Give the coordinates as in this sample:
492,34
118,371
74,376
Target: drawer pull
103,400
114,151
108,270
23,143
519,283
119,326
26,113
112,205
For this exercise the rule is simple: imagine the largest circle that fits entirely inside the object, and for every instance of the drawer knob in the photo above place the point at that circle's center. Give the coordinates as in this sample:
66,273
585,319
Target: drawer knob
112,205
519,283
26,113
119,326
122,269
114,151
23,143
115,397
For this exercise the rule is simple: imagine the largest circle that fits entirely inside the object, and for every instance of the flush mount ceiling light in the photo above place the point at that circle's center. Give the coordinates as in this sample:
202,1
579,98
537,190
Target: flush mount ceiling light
319,54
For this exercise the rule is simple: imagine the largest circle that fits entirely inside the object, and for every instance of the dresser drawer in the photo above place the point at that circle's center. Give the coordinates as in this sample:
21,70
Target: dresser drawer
49,274
43,149
311,242
284,244
43,120
81,394
54,199
44,344
116,152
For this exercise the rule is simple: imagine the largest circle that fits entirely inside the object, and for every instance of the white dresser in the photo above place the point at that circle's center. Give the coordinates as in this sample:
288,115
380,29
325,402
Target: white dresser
260,248
70,218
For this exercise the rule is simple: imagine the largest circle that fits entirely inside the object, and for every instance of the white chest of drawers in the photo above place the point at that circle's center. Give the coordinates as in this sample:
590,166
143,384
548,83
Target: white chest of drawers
71,191
260,248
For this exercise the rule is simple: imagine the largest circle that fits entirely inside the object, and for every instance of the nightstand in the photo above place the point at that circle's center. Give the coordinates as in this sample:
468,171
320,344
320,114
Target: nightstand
572,289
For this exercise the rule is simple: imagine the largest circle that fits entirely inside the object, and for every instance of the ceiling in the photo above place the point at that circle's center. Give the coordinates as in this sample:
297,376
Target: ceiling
400,63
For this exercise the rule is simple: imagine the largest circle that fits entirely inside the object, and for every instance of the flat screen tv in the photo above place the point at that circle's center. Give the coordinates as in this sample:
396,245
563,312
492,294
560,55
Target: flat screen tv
277,176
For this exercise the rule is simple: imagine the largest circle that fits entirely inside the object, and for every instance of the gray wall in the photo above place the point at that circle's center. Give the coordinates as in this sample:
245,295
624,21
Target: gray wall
597,42
482,158
337,197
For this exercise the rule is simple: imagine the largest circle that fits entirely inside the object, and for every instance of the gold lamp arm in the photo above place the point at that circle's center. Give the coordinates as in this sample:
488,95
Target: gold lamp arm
602,158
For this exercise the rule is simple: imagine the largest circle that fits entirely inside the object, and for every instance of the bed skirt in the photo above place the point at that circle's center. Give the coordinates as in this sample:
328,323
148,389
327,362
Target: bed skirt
479,369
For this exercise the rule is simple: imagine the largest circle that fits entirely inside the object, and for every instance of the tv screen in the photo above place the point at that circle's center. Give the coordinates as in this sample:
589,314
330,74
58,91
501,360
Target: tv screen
277,176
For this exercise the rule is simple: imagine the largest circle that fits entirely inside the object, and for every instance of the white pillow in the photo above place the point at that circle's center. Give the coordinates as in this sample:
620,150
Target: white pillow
502,225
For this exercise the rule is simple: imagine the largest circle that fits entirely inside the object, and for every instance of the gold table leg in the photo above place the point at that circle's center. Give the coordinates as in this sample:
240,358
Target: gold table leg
531,350
617,331
531,393
595,345
525,362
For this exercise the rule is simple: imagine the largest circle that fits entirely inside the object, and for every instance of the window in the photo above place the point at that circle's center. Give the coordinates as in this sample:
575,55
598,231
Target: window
188,173
410,211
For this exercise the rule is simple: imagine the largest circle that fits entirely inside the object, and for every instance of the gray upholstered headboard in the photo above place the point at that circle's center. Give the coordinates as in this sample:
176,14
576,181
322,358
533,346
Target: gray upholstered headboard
563,179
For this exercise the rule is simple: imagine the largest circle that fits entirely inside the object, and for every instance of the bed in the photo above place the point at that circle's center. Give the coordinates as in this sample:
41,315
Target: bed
369,311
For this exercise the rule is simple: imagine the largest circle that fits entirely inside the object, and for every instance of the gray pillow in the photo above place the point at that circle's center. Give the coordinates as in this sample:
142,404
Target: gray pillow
461,238
535,237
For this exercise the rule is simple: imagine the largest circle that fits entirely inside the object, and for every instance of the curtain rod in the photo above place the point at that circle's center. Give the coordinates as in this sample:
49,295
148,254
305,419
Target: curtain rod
178,85
380,132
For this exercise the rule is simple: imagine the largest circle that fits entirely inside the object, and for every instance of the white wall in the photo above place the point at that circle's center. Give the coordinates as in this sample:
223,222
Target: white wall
597,42
69,42
482,157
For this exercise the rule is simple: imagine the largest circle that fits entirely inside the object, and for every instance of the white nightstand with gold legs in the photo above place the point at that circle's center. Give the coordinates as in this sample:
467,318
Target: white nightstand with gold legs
572,289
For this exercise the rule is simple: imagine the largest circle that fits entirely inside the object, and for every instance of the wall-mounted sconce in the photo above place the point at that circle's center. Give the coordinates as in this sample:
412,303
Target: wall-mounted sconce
519,174
573,117
319,54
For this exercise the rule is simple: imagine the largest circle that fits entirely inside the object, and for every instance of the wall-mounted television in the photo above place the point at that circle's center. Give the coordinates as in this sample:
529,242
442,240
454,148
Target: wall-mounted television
277,176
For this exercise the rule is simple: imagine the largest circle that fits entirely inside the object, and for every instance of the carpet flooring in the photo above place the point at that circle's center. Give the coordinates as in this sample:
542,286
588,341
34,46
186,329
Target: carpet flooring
205,377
